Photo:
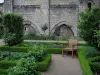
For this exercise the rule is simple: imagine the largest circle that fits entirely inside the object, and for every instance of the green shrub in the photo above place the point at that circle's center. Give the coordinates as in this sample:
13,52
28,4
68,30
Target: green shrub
24,67
89,21
13,29
91,52
39,52
11,55
43,65
84,62
47,44
29,44
39,37
95,59
95,63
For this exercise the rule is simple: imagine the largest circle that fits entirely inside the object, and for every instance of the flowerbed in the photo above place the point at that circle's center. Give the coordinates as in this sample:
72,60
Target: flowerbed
19,67
10,56
84,62
90,60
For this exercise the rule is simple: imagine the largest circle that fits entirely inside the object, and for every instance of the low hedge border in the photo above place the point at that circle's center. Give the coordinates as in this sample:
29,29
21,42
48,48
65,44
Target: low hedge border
5,64
25,49
43,66
84,62
14,49
54,50
3,71
94,64
38,73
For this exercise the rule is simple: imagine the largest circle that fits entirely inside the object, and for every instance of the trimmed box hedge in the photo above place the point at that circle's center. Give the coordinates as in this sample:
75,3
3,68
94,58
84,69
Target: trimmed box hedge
5,64
25,49
43,66
38,73
54,50
3,72
84,62
14,49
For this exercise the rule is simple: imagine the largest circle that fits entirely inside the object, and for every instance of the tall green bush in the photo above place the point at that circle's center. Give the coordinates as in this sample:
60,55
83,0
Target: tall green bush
13,29
89,21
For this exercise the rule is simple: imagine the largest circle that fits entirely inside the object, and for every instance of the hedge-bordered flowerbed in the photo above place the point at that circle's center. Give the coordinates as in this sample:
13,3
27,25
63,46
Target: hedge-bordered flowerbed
5,64
41,66
84,62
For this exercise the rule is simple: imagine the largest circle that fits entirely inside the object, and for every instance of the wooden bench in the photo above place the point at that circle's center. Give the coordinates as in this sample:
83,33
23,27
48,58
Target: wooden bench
72,46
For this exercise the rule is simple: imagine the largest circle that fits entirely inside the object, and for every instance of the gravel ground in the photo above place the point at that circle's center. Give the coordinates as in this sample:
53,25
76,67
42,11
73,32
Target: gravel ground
64,66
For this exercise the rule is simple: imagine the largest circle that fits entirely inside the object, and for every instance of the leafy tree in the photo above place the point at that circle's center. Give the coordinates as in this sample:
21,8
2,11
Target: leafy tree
89,22
13,29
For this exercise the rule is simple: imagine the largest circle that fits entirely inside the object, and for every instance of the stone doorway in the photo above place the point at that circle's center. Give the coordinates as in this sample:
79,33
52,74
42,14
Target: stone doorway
63,30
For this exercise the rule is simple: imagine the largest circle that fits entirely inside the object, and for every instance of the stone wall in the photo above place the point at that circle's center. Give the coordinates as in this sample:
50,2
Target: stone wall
37,12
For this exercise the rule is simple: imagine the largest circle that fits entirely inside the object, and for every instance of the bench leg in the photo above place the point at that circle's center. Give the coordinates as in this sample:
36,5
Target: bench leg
73,54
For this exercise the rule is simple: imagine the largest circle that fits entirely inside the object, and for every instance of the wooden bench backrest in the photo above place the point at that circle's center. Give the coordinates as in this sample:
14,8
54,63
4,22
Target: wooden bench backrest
72,43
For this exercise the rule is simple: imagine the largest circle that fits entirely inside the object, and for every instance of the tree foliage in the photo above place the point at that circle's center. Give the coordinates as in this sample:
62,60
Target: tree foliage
89,22
13,29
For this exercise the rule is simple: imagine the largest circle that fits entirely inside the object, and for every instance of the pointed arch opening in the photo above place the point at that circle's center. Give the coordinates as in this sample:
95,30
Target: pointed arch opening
30,28
63,30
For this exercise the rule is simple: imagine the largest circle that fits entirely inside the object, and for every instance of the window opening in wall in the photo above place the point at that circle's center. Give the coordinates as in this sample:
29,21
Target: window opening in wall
89,5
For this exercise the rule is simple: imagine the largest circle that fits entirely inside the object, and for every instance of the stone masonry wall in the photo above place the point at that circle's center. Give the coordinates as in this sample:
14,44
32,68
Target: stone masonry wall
37,12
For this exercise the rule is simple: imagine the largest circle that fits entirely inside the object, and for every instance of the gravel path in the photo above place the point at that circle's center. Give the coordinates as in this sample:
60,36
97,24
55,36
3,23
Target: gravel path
64,66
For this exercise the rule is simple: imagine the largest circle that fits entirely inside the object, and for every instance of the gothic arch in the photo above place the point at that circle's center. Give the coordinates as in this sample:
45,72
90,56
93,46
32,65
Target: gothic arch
63,23
32,27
